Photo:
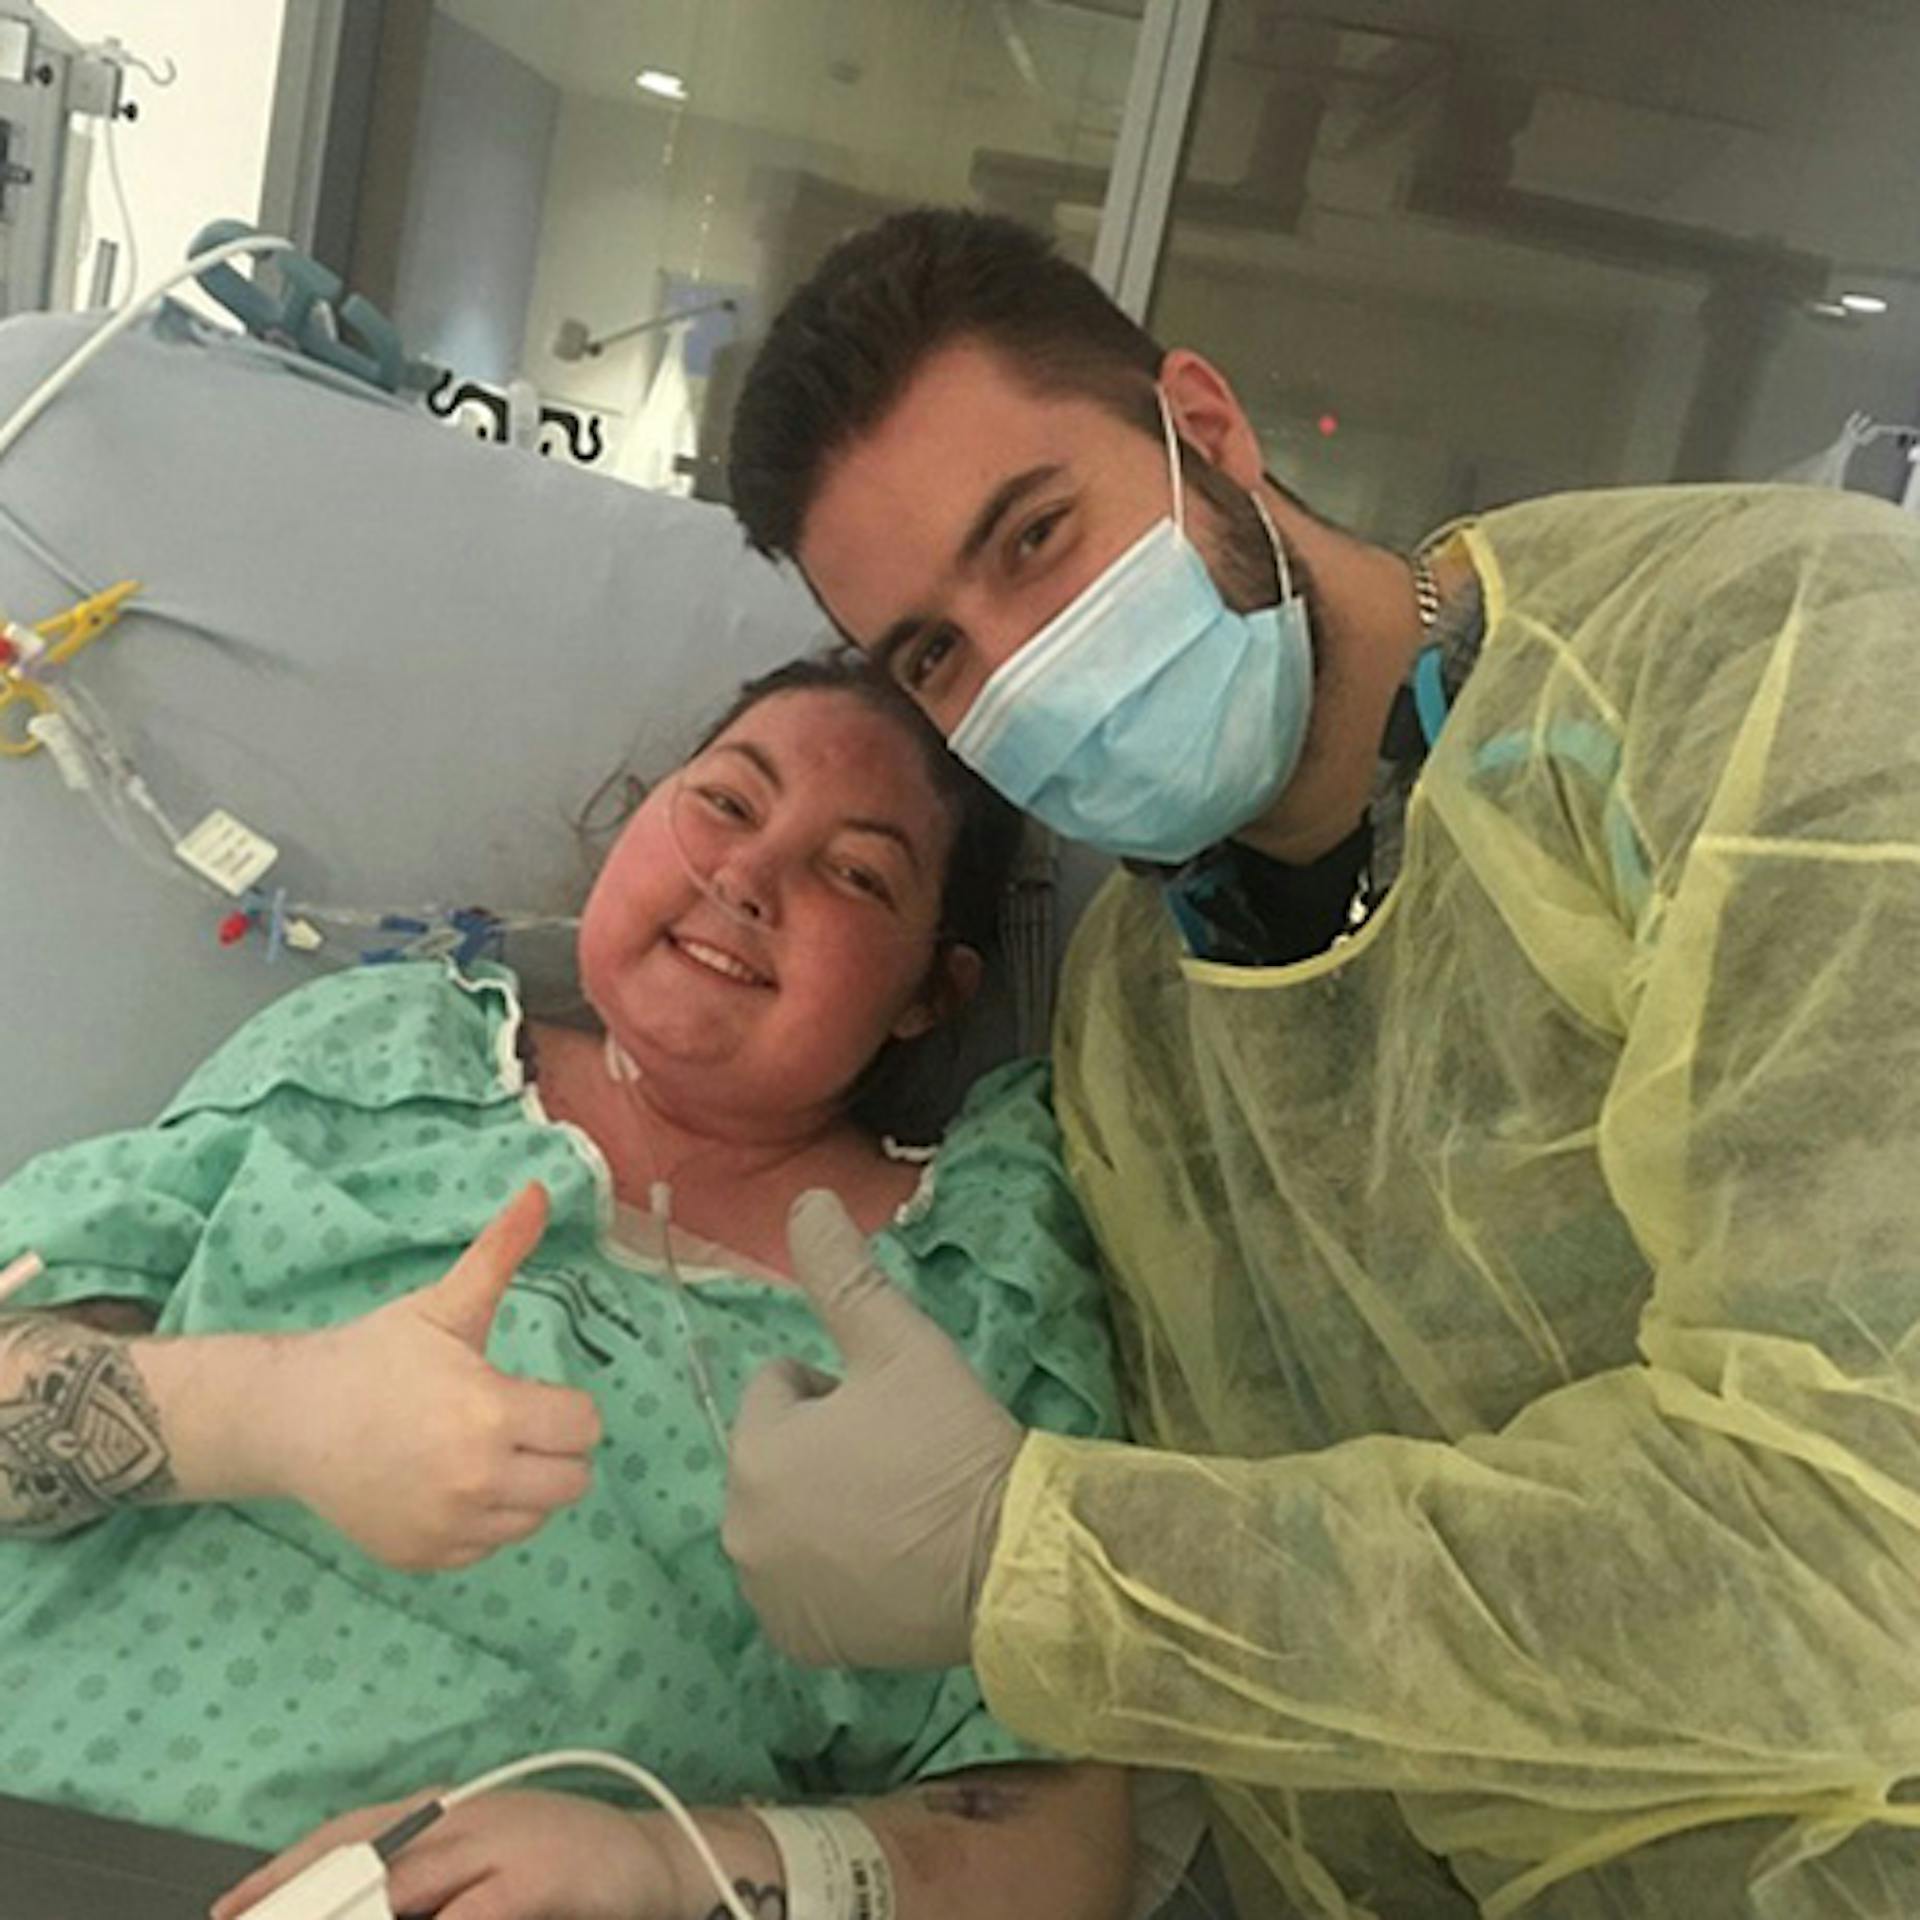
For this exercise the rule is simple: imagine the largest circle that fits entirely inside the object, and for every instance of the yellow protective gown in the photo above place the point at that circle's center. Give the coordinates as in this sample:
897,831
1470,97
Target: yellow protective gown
1527,1292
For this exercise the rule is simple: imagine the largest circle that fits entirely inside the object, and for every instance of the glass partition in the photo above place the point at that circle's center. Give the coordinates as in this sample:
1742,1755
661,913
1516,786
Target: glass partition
1455,253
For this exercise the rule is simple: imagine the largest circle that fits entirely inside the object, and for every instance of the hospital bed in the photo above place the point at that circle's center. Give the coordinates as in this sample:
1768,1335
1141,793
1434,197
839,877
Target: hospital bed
57,1864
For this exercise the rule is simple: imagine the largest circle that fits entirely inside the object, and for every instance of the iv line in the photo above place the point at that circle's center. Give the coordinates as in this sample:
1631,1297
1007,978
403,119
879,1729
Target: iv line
622,1072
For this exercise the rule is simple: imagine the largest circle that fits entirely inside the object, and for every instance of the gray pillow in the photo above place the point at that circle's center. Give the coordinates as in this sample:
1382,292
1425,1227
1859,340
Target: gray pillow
405,656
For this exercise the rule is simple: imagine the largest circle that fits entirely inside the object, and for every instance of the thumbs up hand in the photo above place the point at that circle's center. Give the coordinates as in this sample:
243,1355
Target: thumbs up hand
862,1513
396,1429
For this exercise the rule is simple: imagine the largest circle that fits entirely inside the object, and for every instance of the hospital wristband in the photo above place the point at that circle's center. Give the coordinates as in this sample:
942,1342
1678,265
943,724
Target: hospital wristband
834,1864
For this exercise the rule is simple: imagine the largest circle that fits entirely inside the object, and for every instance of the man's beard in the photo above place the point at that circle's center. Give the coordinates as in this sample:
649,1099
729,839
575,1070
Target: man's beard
1238,553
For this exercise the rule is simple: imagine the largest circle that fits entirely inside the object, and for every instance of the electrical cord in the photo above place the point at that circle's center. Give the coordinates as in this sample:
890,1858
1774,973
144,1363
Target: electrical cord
110,141
390,1841
136,309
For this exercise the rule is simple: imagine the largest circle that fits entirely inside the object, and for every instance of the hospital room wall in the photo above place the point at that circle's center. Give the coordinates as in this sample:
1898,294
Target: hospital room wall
1845,184
799,121
198,149
635,193
470,237
1817,374
1338,382
640,195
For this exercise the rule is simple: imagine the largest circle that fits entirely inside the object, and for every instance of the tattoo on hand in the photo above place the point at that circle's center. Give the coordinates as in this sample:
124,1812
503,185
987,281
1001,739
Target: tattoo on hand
974,1800
764,1903
79,1432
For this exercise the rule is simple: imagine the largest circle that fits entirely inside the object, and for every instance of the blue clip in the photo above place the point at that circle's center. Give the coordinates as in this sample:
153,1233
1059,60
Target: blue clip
392,956
247,302
310,316
463,936
480,934
276,925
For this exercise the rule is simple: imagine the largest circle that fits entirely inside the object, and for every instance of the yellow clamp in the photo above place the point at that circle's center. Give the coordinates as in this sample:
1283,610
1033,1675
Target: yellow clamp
65,635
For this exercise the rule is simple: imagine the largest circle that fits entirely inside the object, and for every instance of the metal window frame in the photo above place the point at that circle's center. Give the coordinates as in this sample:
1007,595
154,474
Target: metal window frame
301,119
348,80
1153,142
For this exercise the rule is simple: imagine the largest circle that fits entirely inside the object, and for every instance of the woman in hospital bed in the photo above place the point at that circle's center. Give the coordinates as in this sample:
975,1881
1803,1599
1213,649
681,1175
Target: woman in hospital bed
308,1548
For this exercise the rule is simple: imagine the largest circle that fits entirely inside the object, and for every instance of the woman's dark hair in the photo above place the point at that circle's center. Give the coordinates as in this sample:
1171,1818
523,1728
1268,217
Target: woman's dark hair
900,1089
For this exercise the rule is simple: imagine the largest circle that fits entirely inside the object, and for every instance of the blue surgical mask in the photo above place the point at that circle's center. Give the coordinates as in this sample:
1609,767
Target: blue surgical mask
1149,719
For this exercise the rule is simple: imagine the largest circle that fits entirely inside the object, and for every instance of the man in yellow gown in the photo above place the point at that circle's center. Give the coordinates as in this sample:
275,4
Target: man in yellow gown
1496,1088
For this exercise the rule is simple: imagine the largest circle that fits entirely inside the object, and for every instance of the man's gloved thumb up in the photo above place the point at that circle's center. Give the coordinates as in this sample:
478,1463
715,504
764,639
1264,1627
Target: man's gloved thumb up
861,1513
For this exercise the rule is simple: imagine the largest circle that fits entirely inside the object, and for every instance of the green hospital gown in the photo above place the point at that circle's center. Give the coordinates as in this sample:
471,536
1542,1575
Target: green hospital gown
245,1671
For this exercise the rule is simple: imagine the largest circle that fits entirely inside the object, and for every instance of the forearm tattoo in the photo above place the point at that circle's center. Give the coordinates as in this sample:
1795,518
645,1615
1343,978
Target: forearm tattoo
764,1903
79,1432
977,1800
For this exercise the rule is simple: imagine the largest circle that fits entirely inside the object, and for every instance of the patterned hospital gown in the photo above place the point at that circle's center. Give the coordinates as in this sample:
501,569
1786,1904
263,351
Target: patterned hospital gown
245,1671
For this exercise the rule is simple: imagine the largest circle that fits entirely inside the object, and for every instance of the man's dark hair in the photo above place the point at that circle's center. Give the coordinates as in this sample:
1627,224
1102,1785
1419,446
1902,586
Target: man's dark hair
846,345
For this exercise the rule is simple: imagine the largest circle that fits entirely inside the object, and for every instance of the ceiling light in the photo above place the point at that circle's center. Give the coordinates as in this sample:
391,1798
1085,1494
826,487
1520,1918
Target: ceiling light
1828,310
664,86
1863,303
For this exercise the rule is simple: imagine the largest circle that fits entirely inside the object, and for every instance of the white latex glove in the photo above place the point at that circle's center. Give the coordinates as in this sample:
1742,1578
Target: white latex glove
862,1513
397,1430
